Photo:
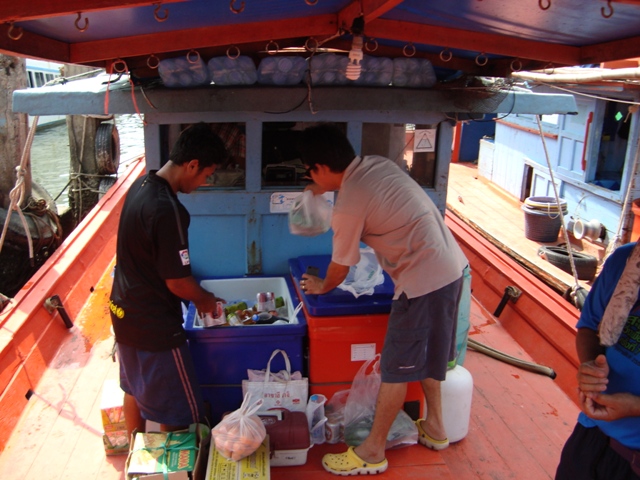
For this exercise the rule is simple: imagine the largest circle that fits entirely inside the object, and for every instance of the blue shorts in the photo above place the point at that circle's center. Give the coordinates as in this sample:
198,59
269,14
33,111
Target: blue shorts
421,336
164,384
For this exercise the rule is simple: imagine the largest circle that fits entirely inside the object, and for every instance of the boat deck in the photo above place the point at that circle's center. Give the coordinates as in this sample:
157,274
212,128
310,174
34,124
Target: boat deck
497,216
519,419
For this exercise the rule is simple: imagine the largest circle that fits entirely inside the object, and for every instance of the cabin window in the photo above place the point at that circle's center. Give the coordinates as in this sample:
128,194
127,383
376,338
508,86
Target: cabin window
39,79
233,134
281,163
612,149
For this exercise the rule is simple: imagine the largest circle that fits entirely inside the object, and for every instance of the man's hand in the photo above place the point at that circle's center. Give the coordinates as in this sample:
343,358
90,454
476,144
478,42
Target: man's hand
601,406
592,375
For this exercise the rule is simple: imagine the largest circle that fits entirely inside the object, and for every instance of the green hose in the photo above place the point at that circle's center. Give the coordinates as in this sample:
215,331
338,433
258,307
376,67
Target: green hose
518,362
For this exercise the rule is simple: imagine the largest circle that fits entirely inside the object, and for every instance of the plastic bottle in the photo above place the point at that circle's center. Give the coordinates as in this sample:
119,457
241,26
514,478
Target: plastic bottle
457,392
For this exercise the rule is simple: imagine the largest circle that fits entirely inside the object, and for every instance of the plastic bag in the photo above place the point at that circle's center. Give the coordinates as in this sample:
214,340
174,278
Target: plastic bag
240,433
365,276
310,215
334,410
361,406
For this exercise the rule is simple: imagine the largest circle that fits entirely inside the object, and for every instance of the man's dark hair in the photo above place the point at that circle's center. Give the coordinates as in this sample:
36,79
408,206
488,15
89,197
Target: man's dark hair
198,142
326,144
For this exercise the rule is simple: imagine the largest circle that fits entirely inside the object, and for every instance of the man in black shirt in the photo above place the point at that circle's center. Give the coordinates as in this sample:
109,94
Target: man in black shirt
152,275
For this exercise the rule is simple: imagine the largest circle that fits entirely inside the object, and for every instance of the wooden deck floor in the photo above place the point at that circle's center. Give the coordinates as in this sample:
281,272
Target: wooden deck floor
497,216
518,424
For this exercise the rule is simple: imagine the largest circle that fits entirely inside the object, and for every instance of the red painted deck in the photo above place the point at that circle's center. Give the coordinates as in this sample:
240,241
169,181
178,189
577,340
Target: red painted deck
519,420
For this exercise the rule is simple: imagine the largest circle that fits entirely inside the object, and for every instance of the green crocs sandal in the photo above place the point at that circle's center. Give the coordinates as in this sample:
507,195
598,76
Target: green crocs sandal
349,463
426,440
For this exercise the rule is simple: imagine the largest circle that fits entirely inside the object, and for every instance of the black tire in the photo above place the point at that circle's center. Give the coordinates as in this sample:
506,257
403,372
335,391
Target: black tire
586,265
105,184
107,149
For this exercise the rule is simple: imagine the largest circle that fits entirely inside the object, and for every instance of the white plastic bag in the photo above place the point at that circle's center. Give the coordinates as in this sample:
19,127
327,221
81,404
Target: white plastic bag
364,277
240,433
310,215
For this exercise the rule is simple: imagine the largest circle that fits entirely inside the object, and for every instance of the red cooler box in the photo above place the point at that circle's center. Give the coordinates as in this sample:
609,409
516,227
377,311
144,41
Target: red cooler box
344,331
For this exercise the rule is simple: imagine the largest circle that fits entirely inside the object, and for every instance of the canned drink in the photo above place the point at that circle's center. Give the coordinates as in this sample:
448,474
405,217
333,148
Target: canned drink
266,301
333,432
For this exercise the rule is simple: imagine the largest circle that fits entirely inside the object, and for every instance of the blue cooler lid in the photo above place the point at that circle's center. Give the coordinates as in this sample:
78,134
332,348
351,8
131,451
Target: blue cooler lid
337,301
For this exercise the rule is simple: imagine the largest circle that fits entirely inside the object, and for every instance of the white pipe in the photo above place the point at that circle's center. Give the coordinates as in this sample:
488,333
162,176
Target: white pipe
580,75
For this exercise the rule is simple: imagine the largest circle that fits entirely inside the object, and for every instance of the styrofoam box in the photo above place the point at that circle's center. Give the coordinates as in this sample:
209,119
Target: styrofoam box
289,458
222,354
236,289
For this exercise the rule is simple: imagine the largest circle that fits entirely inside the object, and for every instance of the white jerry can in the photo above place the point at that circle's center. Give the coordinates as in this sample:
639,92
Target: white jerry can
457,391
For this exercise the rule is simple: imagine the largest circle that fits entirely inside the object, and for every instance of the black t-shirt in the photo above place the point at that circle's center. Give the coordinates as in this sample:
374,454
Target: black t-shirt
152,246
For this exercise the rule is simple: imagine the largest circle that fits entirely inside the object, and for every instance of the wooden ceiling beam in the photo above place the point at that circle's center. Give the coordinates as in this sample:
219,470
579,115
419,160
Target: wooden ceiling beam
33,46
488,43
16,11
371,10
606,52
106,50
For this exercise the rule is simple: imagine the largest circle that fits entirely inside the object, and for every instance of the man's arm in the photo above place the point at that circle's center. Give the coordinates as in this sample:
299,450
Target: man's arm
188,288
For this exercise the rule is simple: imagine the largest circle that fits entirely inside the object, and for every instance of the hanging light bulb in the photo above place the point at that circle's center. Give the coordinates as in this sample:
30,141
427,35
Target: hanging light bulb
354,67
355,58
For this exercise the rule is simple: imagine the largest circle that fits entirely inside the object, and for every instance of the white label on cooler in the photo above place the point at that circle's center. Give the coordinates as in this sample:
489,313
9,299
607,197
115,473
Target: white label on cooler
362,351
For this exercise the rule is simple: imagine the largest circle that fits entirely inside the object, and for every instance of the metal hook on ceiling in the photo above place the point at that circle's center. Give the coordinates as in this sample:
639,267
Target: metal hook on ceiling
237,52
116,65
371,45
544,6
409,50
77,22
156,13
516,65
151,63
446,55
308,47
479,59
610,12
19,31
234,9
270,50
311,2
193,56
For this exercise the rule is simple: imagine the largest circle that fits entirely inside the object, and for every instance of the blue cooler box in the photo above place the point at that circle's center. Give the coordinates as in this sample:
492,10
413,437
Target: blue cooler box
222,354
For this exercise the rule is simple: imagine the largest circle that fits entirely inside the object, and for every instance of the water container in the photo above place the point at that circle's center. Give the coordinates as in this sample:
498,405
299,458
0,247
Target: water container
328,69
457,391
183,72
376,71
232,71
281,70
413,72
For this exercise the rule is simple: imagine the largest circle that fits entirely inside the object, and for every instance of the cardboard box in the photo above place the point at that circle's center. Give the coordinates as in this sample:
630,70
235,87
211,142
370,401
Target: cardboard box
256,466
180,453
115,439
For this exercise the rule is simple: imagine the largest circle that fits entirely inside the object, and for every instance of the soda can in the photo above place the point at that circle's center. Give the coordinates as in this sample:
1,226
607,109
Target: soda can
266,301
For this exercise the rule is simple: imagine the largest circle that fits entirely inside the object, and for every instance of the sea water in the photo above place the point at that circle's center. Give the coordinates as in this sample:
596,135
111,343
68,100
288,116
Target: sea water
50,156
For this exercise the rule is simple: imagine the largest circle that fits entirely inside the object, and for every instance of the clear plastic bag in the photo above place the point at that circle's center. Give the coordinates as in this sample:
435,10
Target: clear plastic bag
365,276
361,406
310,215
240,433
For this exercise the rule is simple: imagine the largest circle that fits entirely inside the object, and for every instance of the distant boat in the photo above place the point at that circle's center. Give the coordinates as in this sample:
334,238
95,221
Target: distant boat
40,73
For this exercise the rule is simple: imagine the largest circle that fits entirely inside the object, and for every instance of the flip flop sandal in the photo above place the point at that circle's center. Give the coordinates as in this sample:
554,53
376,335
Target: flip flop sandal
349,463
426,440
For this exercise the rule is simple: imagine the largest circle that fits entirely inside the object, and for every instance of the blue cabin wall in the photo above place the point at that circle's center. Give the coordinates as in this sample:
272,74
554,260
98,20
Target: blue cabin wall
233,232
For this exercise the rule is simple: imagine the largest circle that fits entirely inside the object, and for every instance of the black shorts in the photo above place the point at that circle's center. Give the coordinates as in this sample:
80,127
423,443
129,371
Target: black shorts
421,336
164,384
588,456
